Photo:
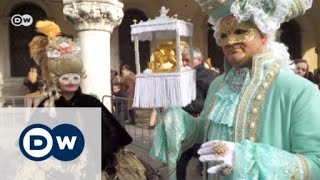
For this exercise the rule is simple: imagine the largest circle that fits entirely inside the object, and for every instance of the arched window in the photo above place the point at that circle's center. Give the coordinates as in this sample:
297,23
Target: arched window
214,51
127,46
20,36
291,37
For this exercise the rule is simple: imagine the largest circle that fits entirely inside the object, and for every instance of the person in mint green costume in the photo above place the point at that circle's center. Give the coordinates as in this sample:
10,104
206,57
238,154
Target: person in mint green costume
260,121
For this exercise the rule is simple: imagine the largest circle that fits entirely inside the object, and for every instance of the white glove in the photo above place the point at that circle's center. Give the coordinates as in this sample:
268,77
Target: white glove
219,152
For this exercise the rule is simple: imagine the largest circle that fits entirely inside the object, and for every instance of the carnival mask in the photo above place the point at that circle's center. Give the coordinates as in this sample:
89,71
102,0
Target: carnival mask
70,79
232,31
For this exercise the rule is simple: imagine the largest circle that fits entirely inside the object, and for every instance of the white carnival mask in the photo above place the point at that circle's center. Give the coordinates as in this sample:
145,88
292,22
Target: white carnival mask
70,79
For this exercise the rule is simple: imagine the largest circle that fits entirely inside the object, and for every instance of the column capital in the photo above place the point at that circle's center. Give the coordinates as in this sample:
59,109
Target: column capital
102,15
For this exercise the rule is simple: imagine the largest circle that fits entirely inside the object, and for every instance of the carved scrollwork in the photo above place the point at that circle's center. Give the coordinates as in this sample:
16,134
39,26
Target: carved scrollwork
99,15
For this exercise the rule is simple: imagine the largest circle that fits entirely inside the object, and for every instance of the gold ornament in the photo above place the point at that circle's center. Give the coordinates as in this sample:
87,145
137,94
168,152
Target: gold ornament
220,149
226,170
163,59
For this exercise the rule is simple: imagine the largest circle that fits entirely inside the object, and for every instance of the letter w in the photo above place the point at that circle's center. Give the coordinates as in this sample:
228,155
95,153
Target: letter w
26,19
66,141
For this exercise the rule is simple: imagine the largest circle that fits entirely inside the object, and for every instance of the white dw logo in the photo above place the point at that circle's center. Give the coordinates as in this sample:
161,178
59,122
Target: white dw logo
24,20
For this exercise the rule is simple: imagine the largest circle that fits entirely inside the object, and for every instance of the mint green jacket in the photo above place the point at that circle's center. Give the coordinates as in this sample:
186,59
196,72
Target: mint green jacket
275,125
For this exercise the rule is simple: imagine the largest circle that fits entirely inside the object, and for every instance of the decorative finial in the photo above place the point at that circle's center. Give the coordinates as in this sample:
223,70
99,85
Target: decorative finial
175,16
163,11
134,21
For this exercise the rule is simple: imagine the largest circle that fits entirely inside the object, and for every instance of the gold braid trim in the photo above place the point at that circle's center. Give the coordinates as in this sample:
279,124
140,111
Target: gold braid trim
255,107
305,167
242,110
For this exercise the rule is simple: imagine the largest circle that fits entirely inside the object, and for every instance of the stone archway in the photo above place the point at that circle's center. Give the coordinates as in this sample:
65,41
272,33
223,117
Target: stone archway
214,51
291,37
20,36
126,46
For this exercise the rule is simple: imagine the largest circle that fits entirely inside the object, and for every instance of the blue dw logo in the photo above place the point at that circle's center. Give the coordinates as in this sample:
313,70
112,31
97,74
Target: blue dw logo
38,142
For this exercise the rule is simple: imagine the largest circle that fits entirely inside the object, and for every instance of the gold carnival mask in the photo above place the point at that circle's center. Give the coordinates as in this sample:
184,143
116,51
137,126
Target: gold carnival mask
232,31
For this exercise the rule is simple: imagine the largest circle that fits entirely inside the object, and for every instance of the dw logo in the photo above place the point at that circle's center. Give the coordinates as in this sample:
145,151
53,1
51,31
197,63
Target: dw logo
38,142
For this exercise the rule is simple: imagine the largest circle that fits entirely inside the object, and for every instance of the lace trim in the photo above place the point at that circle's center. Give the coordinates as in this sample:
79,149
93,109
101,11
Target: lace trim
264,21
227,98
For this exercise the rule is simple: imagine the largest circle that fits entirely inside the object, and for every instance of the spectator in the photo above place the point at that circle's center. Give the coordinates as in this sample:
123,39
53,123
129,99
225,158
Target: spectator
34,84
204,77
128,86
120,103
302,69
317,77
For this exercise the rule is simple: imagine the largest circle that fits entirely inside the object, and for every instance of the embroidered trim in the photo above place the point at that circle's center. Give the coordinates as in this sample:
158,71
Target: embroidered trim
295,174
243,110
255,107
305,167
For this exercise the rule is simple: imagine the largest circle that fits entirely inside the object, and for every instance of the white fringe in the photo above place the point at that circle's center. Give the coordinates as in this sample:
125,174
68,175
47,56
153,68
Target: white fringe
165,89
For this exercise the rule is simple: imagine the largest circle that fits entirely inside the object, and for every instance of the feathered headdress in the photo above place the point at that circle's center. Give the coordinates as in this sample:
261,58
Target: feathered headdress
55,54
38,47
49,28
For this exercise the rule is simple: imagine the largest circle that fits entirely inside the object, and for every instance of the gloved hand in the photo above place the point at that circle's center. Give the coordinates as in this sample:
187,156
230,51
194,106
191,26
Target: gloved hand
217,151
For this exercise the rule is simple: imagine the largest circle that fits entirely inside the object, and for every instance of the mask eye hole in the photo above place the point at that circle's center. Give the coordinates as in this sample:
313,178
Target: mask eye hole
64,78
223,35
76,78
240,31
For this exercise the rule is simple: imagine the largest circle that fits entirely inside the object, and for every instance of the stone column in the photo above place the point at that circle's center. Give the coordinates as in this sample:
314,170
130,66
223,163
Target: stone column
94,21
1,87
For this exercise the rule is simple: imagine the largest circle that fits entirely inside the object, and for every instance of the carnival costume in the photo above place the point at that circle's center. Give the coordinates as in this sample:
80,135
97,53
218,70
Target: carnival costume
263,121
60,59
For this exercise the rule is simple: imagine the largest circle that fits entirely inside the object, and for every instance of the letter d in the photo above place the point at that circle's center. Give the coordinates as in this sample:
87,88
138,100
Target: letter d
37,142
